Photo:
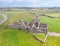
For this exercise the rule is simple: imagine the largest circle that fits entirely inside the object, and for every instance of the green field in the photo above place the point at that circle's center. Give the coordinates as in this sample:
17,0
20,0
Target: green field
17,37
41,36
1,17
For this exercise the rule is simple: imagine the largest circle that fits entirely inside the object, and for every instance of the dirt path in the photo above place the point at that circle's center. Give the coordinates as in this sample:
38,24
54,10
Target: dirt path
4,19
53,34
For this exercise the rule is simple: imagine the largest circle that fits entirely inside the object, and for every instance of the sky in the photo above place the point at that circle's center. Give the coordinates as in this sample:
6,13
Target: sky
29,3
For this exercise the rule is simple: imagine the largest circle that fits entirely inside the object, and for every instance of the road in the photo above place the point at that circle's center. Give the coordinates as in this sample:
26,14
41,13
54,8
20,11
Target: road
4,19
53,34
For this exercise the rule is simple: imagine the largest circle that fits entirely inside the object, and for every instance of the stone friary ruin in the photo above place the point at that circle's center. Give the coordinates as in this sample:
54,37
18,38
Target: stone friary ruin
33,27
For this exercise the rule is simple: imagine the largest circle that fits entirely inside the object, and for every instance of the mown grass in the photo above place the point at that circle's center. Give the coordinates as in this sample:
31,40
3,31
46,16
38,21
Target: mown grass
41,36
17,37
53,23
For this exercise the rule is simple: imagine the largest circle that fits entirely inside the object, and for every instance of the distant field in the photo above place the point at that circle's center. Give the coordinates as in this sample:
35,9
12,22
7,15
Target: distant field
54,14
16,37
1,17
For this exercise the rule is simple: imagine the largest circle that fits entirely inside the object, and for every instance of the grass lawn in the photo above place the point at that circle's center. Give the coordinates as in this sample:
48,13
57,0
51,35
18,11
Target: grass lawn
53,23
41,36
16,37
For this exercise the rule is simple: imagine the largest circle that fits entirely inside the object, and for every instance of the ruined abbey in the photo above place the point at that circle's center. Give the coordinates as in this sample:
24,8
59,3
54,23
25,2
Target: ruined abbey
33,27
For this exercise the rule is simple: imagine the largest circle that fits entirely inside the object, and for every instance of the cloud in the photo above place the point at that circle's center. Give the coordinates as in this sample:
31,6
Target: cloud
19,0
32,3
6,0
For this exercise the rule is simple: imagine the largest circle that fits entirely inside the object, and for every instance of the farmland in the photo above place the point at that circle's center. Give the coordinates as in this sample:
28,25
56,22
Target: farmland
17,37
1,17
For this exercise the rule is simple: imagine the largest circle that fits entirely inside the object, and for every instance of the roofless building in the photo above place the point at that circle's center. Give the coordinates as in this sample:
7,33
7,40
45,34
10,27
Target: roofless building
33,27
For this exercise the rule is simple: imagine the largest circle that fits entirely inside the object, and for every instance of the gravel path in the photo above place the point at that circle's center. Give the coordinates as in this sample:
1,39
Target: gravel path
53,34
4,19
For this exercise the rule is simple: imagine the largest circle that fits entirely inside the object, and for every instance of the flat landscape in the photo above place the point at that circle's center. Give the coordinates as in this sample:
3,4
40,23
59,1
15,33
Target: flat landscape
17,37
1,17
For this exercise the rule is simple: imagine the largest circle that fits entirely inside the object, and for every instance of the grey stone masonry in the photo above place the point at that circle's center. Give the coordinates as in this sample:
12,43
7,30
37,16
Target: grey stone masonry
33,27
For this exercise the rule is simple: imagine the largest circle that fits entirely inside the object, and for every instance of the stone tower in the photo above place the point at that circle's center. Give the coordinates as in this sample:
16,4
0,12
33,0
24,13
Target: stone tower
36,20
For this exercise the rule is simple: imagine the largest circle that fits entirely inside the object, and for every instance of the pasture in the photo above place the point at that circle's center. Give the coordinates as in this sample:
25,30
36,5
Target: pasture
17,37
1,17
